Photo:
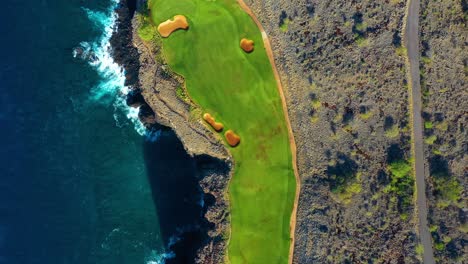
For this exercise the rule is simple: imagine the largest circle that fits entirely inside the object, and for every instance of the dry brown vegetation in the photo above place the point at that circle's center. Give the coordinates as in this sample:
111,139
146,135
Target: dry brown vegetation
343,70
167,27
444,72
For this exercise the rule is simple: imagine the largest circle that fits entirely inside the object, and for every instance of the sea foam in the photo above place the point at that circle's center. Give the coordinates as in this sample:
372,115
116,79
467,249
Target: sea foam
111,89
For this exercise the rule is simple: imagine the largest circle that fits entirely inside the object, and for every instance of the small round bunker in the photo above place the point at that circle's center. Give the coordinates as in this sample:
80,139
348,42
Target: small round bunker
247,45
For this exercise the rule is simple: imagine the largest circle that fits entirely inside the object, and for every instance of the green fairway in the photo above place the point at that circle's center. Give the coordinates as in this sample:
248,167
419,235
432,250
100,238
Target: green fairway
239,90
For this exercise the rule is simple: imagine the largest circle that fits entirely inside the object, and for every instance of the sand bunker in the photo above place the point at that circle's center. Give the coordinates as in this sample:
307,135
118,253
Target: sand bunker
232,138
247,45
166,28
211,120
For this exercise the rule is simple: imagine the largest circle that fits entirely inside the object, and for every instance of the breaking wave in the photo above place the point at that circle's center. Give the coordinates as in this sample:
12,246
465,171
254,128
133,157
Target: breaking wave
111,88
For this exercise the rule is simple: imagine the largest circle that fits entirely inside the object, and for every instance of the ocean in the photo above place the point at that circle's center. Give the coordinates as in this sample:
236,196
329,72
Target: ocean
81,179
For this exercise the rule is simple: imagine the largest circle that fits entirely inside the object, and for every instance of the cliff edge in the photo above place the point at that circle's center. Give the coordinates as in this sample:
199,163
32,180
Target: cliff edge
157,93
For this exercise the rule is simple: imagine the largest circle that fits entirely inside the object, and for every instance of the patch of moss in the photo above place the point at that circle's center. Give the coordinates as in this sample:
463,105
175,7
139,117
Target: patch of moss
181,93
195,113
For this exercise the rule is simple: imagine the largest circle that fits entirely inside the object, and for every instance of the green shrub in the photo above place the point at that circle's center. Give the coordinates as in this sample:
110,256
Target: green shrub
419,249
431,139
361,41
361,26
439,246
426,60
448,189
401,51
345,193
343,177
433,228
443,126
393,132
285,25
316,104
428,125
146,32
401,183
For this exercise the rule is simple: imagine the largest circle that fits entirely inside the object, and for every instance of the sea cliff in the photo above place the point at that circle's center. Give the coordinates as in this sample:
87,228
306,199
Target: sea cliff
154,91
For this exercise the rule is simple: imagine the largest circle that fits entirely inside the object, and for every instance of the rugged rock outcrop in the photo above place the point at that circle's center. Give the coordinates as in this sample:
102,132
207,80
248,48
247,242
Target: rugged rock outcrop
444,70
342,67
154,90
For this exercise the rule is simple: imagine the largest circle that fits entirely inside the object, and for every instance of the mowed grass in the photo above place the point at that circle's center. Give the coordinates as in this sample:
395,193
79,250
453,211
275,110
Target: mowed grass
240,91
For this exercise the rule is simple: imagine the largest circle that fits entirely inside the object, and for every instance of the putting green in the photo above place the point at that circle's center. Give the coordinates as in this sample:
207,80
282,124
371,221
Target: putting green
240,90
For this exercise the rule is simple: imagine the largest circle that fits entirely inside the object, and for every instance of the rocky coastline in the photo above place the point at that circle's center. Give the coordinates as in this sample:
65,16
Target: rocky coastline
154,91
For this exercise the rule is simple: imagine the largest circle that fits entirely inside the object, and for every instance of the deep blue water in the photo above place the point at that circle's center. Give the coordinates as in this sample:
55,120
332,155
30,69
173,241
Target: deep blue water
74,185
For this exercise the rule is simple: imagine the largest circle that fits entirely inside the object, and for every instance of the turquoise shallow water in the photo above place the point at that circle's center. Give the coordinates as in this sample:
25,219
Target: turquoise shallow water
74,184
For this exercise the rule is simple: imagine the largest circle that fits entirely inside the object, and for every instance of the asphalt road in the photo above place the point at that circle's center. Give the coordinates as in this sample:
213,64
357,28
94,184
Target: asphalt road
412,45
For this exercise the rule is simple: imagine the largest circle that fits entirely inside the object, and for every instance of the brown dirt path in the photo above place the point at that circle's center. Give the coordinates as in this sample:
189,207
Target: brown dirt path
292,142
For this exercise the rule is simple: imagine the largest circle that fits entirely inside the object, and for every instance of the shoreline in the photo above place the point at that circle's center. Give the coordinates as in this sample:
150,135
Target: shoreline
155,93
292,141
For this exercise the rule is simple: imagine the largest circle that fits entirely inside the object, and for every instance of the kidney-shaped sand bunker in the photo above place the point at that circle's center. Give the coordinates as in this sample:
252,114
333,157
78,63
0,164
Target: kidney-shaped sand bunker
167,27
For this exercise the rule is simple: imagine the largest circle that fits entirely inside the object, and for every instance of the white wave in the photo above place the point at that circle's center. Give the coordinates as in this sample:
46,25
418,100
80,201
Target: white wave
158,258
112,85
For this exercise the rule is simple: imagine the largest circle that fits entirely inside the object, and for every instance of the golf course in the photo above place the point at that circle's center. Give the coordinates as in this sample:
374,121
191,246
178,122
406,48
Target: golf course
238,89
